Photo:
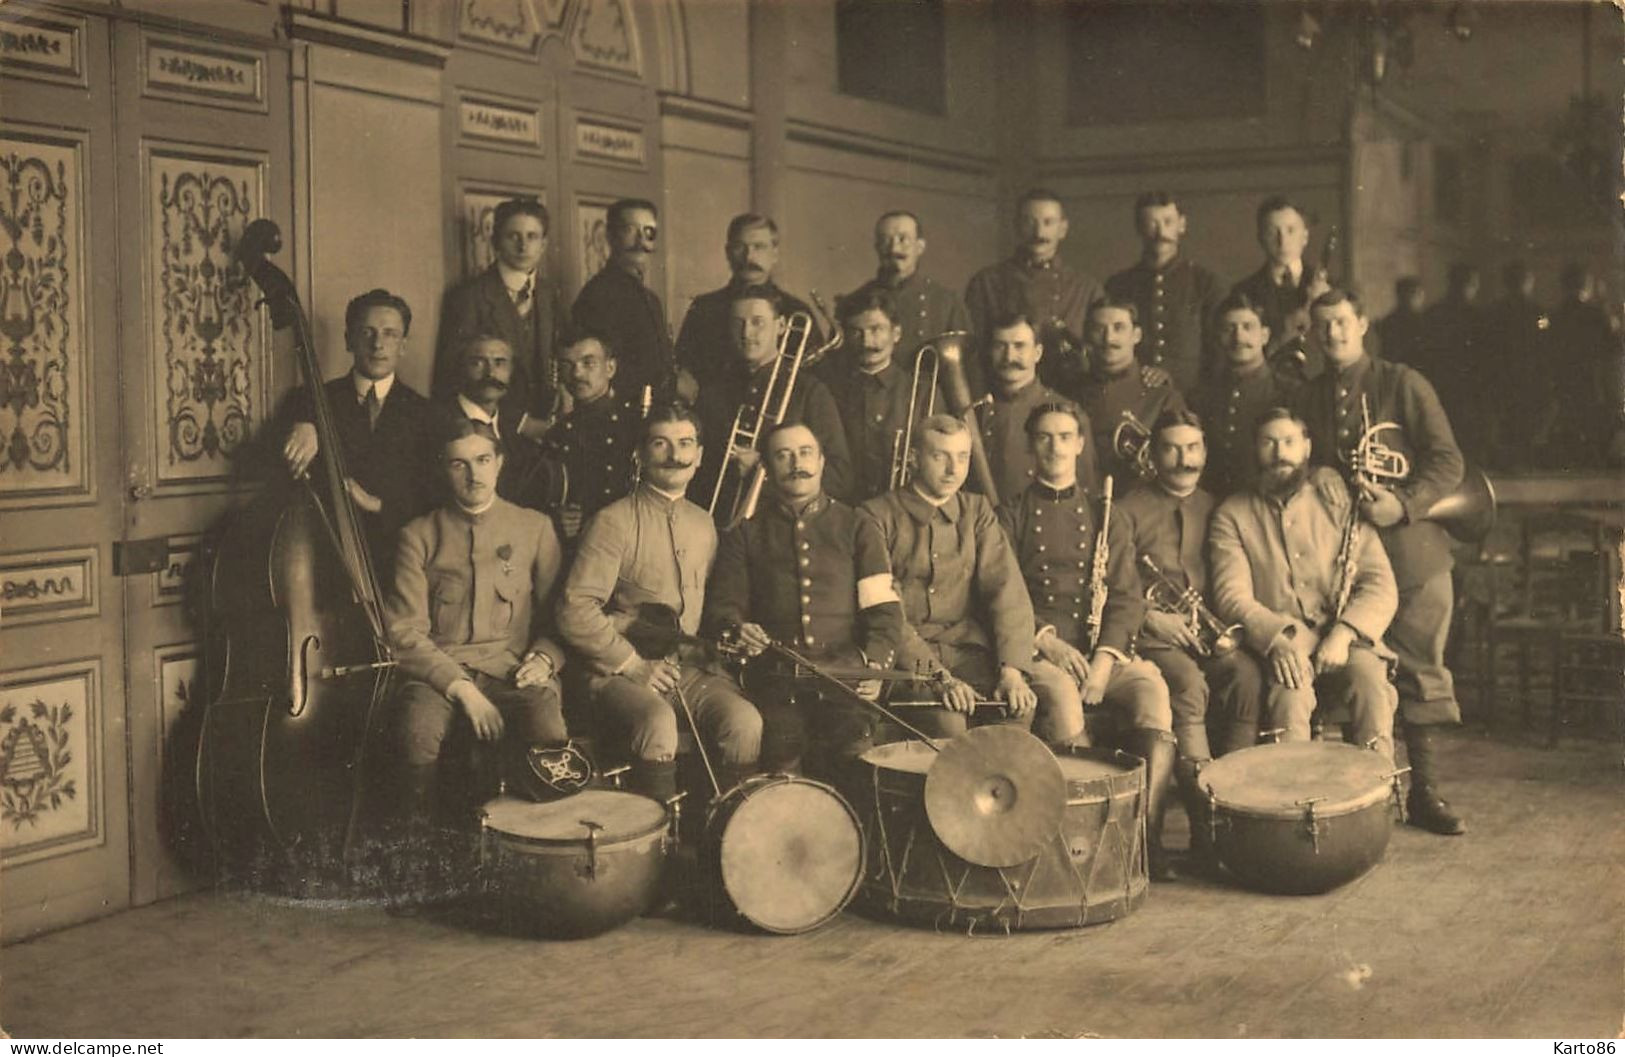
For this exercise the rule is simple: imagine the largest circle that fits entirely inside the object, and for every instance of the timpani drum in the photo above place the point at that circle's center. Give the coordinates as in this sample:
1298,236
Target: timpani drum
573,867
785,853
1092,869
1300,817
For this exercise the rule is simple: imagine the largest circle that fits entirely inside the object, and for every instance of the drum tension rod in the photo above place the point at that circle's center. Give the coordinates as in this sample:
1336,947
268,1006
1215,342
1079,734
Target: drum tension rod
1311,824
1398,793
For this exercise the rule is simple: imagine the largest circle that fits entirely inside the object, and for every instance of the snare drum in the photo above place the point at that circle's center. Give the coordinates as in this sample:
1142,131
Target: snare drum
1299,817
573,867
785,853
1092,870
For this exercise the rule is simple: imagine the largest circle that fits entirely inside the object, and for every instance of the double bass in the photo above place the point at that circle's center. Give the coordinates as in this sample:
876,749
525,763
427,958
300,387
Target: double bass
303,661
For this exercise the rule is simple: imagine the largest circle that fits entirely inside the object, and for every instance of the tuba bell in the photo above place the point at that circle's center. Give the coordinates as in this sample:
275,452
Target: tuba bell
1468,513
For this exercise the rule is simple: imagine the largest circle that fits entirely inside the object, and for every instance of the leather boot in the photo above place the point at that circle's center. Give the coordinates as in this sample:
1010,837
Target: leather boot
1235,736
1423,807
1156,748
656,779
410,853
1187,773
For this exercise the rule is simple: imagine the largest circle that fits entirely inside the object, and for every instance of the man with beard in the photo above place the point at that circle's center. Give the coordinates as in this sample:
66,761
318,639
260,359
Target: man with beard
813,574
1176,298
705,342
925,308
511,300
1285,284
1276,573
654,546
485,364
1054,528
871,389
617,304
1230,401
969,617
1333,406
1014,354
382,425
1114,389
1164,523
468,616
758,326
596,442
1037,284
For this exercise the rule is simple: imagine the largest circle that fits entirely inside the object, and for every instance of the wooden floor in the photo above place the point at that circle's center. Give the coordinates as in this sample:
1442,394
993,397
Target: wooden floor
1513,930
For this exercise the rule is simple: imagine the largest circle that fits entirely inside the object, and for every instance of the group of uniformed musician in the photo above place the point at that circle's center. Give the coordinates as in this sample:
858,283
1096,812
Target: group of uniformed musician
1152,428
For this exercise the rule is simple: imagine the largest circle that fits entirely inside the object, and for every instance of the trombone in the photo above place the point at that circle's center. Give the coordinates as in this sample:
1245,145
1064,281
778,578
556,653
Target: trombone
902,448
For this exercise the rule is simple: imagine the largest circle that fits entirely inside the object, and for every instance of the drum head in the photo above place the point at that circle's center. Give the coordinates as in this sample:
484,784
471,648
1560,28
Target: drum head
791,855
910,757
617,816
1273,781
995,795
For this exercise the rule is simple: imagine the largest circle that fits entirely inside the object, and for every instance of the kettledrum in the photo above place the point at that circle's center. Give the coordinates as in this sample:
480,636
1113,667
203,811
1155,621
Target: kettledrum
785,853
573,867
1300,817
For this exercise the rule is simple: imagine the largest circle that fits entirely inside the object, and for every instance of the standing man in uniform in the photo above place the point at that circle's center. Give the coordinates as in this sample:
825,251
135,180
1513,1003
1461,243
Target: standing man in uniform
656,547
1114,389
511,300
705,343
925,308
1419,549
597,441
871,389
617,304
1036,283
1176,298
1245,386
1054,529
811,573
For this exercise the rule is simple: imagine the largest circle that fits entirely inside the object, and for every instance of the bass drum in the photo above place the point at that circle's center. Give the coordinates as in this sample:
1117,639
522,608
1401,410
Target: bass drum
1092,869
573,867
1300,817
784,853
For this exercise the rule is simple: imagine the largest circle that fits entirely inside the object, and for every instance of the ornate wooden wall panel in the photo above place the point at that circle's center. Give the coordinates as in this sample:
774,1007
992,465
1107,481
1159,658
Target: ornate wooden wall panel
50,773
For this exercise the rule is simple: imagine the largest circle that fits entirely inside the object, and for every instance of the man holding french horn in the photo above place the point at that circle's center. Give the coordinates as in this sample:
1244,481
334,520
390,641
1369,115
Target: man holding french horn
1383,422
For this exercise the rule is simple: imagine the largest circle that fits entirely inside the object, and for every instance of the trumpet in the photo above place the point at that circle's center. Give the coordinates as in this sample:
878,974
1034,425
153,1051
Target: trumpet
1131,441
1214,637
903,440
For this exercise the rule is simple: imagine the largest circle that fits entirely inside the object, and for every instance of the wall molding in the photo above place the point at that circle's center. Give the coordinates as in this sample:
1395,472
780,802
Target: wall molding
370,40
697,109
801,131
1240,158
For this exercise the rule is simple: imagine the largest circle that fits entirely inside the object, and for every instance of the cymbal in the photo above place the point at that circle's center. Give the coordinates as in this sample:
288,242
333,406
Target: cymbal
994,795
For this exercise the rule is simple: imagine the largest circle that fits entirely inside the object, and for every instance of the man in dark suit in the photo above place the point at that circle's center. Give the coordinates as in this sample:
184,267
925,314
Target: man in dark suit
485,368
381,424
617,304
513,301
1285,284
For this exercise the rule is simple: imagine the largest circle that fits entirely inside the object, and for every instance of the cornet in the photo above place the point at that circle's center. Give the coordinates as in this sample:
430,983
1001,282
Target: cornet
1215,638
1131,440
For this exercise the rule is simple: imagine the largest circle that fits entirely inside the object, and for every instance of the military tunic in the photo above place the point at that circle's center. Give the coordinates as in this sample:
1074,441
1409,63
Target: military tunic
1003,422
1107,397
1230,405
1176,303
1055,297
705,344
596,443
873,408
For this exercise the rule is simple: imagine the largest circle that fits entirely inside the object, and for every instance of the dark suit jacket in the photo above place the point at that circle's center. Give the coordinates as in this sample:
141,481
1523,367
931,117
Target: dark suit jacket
482,305
615,303
529,478
705,344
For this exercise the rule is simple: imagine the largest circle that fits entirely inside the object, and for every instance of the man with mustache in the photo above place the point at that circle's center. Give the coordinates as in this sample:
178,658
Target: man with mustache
1054,528
529,477
1115,386
813,574
381,424
618,304
1176,298
597,441
1014,355
512,300
469,613
1037,284
654,546
1230,400
925,308
1331,406
1165,521
871,388
759,324
1276,573
969,618
1285,283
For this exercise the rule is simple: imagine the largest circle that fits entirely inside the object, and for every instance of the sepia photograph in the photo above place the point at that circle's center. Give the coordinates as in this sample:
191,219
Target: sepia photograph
811,519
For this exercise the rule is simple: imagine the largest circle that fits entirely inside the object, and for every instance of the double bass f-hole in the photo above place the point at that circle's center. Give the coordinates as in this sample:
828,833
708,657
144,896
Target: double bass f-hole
301,675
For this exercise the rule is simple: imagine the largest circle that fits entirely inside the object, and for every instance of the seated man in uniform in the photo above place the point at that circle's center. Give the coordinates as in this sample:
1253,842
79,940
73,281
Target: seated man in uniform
759,324
654,546
813,574
381,424
596,442
1054,527
468,617
1276,572
1115,388
1165,526
969,618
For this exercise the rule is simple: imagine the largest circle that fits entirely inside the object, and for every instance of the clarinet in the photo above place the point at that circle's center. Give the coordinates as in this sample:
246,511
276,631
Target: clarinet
1097,571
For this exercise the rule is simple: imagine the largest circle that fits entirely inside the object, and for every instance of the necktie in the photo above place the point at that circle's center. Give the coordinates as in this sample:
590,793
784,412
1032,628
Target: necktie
375,407
521,298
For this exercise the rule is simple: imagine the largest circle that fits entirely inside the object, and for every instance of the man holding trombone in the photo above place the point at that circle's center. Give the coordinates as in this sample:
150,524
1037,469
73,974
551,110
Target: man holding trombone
766,386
